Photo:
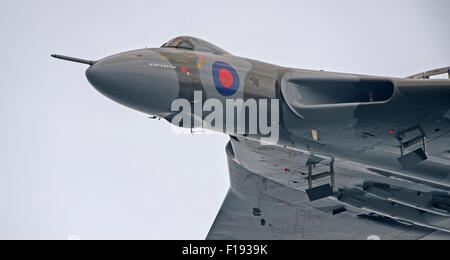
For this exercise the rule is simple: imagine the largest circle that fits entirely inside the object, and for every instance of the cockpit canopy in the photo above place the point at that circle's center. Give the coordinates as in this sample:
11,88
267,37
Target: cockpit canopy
195,44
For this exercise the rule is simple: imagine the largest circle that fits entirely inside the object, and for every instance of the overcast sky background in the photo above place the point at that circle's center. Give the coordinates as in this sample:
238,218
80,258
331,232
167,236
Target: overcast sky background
72,162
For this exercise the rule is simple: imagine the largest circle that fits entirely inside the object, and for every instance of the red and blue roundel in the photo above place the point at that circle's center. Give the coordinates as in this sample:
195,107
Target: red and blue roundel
225,78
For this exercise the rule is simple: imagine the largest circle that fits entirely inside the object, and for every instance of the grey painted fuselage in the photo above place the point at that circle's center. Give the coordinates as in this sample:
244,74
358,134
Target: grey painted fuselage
385,140
358,118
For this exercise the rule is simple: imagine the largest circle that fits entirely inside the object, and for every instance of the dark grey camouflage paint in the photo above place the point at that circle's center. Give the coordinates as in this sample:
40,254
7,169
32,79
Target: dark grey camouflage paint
347,128
358,119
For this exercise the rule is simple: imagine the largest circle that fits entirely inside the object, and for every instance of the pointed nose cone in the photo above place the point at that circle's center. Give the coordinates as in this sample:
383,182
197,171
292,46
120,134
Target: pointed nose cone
95,77
133,83
103,79
114,81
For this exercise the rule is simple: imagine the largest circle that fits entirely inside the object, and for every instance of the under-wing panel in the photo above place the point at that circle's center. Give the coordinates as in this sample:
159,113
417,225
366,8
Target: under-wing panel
259,208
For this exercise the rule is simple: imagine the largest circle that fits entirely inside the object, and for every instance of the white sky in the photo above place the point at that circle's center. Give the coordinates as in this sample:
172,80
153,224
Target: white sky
73,163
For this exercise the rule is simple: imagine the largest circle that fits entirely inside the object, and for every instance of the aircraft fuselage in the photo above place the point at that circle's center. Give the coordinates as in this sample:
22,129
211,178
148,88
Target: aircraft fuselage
399,127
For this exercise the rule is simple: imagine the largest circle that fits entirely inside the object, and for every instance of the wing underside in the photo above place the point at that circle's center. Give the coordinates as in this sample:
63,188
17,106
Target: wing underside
263,203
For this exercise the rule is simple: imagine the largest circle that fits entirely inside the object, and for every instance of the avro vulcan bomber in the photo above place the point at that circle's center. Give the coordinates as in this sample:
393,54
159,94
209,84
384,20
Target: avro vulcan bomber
312,154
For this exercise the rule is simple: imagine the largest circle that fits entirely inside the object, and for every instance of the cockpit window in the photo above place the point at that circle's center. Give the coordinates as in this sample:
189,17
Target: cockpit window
179,43
195,44
185,44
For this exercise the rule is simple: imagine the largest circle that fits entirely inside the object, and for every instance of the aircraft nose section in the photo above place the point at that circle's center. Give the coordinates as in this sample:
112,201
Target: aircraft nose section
109,79
95,76
133,83
102,79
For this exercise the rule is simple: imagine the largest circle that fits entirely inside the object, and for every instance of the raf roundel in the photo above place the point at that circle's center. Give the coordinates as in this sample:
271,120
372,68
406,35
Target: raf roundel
226,79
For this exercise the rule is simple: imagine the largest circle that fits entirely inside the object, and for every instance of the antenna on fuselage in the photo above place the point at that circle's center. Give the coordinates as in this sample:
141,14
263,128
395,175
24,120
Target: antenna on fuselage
67,58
